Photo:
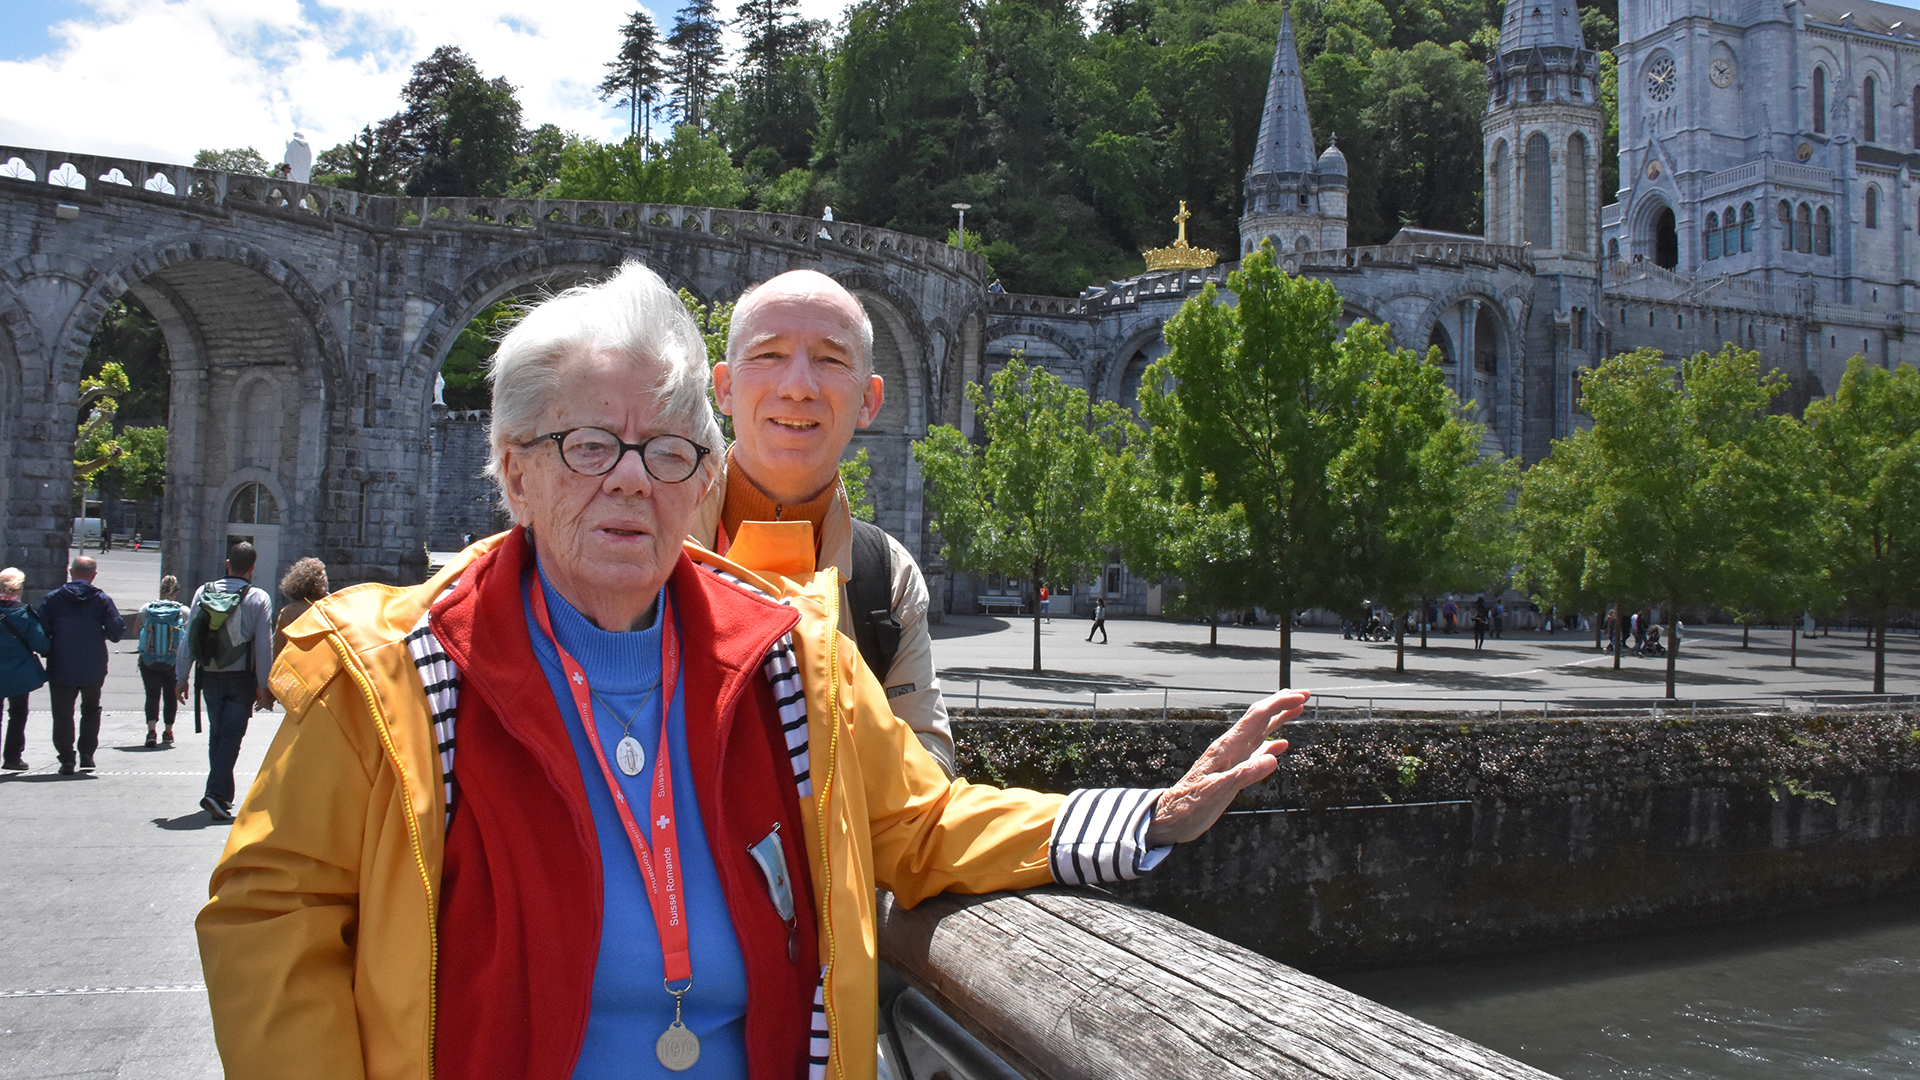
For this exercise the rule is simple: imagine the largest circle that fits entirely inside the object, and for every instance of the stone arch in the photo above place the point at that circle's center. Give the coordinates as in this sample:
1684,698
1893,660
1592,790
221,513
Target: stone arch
1655,231
1121,370
543,267
909,400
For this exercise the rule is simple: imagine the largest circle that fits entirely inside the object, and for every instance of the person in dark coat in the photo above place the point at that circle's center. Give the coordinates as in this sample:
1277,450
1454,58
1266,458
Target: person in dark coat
80,619
21,638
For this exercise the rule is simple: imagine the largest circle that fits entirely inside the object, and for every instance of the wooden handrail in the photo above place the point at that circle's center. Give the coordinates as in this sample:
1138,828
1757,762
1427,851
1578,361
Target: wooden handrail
1070,985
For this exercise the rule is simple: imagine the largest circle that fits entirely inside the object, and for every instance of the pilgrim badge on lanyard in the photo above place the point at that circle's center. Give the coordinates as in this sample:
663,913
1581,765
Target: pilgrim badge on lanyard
772,857
629,756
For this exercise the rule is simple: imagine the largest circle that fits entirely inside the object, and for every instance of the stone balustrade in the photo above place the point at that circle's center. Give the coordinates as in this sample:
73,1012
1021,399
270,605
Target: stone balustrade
106,175
1448,254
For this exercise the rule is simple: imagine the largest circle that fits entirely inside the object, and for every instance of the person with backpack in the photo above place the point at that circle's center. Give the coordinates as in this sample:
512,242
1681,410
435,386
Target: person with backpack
80,620
798,380
163,626
230,635
22,642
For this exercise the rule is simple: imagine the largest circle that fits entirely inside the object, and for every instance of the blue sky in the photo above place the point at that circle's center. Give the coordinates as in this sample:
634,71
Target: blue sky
161,79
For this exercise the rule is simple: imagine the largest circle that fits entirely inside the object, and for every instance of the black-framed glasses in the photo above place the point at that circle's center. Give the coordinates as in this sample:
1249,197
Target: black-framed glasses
594,451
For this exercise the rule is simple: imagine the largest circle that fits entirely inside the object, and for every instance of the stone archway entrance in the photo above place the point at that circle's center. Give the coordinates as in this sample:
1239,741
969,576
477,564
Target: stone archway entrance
253,515
1666,239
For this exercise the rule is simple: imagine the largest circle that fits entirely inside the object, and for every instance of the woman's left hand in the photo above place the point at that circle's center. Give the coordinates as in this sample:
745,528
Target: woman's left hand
1235,760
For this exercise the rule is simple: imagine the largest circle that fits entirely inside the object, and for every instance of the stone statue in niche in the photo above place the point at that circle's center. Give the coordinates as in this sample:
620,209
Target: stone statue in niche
440,390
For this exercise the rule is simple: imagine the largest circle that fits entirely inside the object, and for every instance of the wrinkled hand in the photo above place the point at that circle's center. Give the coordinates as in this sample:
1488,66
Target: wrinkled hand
1234,761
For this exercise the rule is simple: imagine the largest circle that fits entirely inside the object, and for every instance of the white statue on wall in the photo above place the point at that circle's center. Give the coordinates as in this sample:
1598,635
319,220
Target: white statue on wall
440,390
300,157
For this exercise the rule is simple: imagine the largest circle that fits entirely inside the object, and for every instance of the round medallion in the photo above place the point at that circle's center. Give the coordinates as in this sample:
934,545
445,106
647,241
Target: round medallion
629,756
1653,170
677,1048
1660,79
1803,151
1721,72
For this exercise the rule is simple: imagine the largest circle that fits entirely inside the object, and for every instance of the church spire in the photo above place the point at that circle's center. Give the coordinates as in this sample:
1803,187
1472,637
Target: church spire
1544,24
1286,134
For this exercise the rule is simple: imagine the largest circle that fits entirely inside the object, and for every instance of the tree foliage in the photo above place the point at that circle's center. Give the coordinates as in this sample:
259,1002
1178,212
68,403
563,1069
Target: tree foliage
1030,502
696,59
1250,406
1685,487
241,159
1866,439
635,78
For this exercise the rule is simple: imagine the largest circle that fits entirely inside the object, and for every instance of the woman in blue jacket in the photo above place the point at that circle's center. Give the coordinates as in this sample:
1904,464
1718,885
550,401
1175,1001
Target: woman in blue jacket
21,637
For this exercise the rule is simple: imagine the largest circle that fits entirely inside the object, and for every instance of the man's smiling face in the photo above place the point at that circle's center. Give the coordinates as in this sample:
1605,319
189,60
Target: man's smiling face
797,384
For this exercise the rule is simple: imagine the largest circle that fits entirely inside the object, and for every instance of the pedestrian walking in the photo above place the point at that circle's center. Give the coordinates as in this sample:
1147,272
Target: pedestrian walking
1099,620
1450,612
305,582
22,645
230,635
1480,622
163,627
80,620
1046,602
1499,615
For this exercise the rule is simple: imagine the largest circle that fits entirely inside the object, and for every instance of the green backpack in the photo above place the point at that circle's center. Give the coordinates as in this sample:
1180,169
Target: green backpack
214,631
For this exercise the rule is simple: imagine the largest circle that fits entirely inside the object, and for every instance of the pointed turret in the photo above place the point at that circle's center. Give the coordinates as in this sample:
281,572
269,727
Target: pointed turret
1286,134
1293,197
1542,24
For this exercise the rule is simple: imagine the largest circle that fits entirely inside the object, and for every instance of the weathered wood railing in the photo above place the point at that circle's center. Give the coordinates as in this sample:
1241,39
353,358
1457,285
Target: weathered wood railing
1069,985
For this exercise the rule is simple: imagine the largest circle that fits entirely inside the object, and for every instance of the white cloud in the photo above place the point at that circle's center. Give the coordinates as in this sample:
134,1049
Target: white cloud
160,80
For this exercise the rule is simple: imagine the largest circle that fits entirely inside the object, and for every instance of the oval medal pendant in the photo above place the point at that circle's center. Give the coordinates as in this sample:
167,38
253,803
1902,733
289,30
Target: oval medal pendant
629,756
677,1047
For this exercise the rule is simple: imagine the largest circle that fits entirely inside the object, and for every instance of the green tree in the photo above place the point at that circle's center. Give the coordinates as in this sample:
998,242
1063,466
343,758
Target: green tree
715,320
365,163
1261,399
1550,543
690,168
128,337
1203,544
465,367
696,61
855,471
241,159
1867,445
1425,512
1675,467
1030,502
94,445
634,78
1425,115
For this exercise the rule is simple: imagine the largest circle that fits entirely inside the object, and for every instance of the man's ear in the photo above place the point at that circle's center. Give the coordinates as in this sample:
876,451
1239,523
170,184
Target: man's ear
876,392
723,387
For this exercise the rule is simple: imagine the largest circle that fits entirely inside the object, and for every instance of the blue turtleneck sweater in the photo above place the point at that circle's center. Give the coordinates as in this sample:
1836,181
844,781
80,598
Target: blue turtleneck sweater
630,1006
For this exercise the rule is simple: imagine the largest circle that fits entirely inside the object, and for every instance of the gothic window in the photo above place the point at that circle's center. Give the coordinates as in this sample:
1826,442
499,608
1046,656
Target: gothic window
1873,206
1786,225
1729,233
1613,250
1300,243
1746,227
1819,99
1869,102
1713,235
1577,193
1539,192
1822,231
253,504
1497,188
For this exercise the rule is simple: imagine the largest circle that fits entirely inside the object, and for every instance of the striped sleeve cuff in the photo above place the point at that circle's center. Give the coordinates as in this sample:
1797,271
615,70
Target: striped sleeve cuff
1100,836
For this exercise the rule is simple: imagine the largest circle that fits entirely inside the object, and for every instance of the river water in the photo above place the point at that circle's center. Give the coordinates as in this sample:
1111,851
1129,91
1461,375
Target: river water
1827,993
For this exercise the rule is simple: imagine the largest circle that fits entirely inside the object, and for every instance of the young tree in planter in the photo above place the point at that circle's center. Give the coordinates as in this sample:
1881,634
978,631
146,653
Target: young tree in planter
1867,443
1550,545
1259,398
1030,501
1675,470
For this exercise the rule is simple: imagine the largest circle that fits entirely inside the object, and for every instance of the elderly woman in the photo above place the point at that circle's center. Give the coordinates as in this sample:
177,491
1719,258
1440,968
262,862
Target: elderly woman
594,803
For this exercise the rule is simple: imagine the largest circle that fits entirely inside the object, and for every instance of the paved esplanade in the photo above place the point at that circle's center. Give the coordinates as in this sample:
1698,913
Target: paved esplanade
100,975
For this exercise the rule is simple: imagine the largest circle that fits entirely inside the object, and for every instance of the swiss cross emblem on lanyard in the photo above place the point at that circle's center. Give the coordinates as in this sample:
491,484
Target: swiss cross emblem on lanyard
664,821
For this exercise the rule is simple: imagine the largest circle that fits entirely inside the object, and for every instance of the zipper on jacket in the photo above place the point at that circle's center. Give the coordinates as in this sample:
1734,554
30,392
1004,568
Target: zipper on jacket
834,1049
413,833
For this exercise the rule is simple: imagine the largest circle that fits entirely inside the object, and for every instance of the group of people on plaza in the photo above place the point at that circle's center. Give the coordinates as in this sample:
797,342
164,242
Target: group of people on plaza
1637,628
442,871
74,624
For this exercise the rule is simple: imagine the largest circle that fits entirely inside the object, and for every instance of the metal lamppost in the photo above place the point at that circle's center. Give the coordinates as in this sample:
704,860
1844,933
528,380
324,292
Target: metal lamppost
963,208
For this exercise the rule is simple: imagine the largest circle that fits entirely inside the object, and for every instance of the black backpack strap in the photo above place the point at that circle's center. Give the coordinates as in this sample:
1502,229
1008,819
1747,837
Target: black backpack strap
870,593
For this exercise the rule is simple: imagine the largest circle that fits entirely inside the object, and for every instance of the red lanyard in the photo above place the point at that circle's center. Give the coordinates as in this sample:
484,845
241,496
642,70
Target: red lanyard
659,863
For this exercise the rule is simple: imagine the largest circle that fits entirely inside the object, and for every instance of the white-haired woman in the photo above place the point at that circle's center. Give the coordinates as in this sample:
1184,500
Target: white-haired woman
582,806
22,642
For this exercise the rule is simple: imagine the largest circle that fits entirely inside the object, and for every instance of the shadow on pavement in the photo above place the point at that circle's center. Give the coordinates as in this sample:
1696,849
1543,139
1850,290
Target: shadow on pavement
965,626
138,748
1655,672
45,777
1046,680
1452,680
193,822
1235,652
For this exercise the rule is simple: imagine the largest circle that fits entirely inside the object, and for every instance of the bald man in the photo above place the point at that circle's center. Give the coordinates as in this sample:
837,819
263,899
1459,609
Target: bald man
798,381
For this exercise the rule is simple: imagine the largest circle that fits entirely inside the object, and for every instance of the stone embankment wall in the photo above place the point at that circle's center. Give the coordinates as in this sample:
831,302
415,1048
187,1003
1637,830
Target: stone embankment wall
1393,840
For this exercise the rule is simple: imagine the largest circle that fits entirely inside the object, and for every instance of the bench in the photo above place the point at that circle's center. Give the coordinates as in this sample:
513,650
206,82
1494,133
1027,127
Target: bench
1000,600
